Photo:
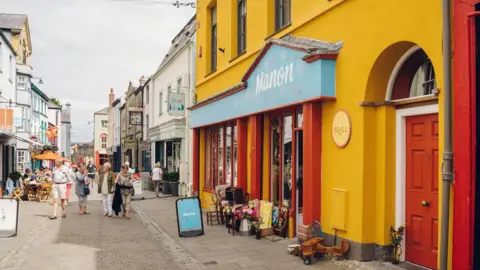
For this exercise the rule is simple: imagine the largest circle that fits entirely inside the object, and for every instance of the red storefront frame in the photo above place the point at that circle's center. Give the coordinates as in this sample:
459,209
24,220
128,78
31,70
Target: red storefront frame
464,133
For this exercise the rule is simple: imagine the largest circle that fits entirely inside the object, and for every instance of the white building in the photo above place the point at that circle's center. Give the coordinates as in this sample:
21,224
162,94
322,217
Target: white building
171,90
113,140
100,136
54,115
7,104
65,132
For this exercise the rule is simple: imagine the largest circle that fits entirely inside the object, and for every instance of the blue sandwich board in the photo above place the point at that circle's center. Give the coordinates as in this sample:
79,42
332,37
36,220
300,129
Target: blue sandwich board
189,217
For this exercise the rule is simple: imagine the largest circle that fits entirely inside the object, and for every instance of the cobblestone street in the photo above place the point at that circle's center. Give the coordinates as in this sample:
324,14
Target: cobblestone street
88,242
148,241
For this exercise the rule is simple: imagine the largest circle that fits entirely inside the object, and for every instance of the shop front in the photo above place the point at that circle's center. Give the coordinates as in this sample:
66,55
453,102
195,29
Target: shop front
257,134
166,144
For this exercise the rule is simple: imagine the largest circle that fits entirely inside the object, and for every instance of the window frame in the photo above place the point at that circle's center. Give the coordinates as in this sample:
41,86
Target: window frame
280,21
103,144
160,106
102,123
241,26
212,169
24,82
213,38
21,154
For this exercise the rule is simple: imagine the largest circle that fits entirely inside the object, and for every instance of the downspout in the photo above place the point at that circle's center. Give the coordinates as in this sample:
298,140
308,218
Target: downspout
447,166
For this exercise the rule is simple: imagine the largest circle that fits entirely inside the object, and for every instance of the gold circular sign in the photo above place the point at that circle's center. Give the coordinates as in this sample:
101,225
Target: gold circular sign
341,128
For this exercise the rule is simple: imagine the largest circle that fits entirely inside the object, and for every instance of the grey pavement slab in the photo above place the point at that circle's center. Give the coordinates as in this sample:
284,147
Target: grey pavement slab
87,242
219,250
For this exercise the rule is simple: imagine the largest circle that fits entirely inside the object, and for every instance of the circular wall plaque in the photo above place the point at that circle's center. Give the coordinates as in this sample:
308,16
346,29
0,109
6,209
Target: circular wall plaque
341,128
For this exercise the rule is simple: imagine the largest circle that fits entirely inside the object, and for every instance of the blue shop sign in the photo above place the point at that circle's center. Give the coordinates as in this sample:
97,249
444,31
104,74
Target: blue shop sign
189,217
281,78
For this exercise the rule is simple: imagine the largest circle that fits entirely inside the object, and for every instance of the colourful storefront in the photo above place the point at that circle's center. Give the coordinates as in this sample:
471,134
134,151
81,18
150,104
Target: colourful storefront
343,120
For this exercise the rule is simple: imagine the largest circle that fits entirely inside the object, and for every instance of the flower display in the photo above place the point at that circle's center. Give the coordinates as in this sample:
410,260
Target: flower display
396,236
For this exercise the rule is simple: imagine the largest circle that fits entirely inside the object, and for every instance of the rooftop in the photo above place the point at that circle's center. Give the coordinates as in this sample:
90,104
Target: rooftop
12,21
102,111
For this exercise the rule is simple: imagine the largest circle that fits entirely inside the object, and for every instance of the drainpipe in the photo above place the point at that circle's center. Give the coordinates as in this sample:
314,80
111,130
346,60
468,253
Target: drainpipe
447,166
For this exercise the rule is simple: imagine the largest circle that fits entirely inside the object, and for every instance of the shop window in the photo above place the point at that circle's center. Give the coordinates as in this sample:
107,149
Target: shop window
275,169
415,78
221,156
283,9
287,157
21,160
242,26
299,120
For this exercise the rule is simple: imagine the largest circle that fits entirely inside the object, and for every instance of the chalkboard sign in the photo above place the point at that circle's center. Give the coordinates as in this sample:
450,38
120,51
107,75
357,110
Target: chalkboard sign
8,217
189,217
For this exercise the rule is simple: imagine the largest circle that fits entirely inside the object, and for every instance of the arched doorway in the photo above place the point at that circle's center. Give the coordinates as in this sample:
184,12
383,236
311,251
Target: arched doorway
412,89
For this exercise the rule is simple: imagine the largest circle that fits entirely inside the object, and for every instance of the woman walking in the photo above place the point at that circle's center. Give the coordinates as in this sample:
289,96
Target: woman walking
106,188
70,180
82,188
124,182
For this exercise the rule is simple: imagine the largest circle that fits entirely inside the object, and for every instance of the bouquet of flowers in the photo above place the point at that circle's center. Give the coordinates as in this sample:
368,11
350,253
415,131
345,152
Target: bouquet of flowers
246,213
396,236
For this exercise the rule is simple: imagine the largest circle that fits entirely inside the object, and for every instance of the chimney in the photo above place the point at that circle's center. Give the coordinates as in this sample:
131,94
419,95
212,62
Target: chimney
111,97
142,80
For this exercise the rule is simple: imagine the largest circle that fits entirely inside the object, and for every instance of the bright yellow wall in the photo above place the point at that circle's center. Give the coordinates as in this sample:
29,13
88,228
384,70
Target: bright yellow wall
368,28
17,40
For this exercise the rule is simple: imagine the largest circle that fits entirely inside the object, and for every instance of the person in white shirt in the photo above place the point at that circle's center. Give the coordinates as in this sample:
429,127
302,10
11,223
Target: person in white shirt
59,187
70,180
157,177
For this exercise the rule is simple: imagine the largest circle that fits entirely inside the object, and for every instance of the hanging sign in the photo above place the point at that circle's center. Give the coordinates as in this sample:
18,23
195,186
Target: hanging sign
189,217
176,104
341,128
6,120
8,217
135,118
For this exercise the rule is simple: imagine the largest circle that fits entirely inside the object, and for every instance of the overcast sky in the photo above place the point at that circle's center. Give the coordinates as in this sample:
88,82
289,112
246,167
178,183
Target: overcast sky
82,48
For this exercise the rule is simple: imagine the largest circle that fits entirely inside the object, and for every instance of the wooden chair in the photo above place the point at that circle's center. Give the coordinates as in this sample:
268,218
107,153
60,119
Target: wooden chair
213,216
17,194
44,191
32,192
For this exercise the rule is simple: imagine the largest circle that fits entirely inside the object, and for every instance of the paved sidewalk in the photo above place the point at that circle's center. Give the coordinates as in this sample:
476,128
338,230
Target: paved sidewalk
84,242
219,250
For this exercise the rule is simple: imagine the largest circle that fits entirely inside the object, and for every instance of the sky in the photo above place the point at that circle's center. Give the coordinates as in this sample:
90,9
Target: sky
82,48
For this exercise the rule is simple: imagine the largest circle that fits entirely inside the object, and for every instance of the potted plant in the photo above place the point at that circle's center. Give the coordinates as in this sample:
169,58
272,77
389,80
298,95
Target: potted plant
256,227
396,236
173,179
166,183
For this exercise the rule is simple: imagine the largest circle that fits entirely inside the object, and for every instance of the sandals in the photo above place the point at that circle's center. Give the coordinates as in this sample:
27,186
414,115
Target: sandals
64,215
86,213
53,217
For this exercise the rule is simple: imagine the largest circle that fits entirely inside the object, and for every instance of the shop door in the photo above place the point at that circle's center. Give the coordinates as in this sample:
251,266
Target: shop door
421,233
299,178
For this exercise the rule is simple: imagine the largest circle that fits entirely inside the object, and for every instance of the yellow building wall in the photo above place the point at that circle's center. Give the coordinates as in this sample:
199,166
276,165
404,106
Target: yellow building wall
23,37
375,34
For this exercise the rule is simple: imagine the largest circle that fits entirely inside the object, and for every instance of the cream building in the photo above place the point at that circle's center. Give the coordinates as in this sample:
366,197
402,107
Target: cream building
100,136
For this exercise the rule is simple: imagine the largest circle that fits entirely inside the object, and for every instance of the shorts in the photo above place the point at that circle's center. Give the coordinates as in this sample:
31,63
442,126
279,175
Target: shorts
59,191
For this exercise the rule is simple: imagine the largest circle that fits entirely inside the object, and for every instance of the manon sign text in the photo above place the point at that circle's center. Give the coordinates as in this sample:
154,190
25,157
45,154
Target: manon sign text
275,78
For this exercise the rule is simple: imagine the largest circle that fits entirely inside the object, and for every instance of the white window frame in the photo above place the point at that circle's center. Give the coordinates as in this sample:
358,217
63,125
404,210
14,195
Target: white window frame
103,144
21,155
21,82
102,123
160,106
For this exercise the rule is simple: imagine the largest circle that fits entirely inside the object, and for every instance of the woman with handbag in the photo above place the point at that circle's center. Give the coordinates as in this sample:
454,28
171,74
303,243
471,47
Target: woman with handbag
124,182
82,188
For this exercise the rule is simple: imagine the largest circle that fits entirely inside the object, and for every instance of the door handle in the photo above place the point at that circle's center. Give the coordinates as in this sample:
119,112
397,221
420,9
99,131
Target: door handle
425,203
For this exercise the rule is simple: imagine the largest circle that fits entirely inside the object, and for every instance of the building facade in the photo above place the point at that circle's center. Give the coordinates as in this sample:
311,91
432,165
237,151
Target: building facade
65,132
100,136
39,120
280,114
132,118
172,89
7,107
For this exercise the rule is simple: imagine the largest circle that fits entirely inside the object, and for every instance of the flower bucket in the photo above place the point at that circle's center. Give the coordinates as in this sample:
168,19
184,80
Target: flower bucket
244,225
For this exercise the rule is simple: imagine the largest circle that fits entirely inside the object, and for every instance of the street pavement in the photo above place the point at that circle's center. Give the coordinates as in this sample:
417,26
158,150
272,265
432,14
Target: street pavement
147,241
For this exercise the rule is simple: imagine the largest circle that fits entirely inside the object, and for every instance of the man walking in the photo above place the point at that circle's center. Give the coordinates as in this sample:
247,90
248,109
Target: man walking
59,187
157,177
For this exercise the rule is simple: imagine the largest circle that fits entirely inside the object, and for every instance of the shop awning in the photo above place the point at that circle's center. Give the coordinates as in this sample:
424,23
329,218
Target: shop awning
27,140
286,72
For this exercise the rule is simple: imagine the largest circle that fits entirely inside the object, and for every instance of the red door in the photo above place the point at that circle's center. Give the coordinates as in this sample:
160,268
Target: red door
421,234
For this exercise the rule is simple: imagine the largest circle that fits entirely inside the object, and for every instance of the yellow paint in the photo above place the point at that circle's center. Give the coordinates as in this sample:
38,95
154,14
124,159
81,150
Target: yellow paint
21,42
338,203
341,128
374,39
266,160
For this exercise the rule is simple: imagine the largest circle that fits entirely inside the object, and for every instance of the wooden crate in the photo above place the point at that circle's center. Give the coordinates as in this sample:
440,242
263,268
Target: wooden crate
266,232
305,232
